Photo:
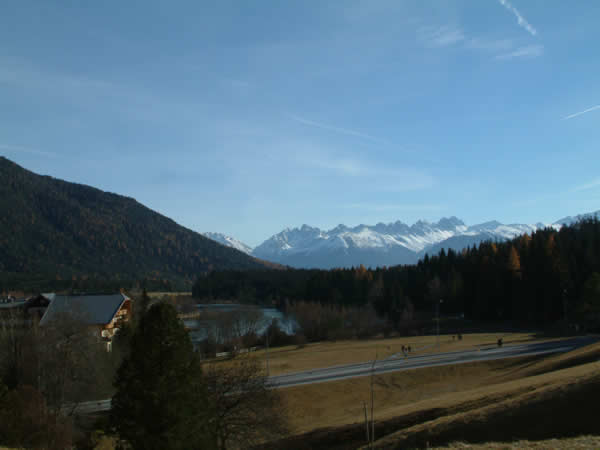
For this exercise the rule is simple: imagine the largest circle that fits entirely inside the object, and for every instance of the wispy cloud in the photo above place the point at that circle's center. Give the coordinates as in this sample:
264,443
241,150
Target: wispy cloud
379,177
520,19
343,166
335,129
130,100
584,187
33,151
392,207
529,51
27,76
571,116
492,45
443,36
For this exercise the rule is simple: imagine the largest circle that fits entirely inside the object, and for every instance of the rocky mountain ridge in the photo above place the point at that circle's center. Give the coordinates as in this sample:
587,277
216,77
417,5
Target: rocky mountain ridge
381,244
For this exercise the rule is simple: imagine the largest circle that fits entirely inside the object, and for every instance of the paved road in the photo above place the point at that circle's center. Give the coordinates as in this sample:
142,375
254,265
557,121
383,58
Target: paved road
399,363
430,360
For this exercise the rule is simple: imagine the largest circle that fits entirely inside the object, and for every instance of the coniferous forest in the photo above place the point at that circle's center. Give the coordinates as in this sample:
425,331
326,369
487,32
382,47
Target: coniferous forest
540,278
60,235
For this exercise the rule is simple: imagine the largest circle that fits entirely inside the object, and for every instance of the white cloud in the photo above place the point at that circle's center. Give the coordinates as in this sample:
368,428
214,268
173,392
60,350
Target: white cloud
570,116
334,129
33,151
443,36
591,185
520,19
529,51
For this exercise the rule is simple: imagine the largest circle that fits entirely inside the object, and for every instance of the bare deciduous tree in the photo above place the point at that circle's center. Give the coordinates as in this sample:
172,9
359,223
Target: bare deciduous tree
246,411
47,370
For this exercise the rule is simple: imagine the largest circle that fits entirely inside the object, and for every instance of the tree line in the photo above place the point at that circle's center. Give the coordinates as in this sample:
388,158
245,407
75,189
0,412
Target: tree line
52,230
537,279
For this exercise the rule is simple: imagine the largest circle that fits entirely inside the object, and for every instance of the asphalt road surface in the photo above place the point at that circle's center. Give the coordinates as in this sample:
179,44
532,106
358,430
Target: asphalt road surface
430,360
397,363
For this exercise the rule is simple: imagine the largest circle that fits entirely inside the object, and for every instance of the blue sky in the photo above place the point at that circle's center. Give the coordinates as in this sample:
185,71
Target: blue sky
249,117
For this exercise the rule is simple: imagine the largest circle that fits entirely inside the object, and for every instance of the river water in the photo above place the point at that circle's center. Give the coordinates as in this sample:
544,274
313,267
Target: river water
200,328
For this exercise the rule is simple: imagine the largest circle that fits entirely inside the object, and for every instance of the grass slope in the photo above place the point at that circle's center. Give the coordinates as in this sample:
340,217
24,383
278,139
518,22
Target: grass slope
581,442
521,398
290,359
557,403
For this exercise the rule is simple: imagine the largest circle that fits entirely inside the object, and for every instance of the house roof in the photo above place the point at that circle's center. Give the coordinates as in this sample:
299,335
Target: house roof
49,296
91,309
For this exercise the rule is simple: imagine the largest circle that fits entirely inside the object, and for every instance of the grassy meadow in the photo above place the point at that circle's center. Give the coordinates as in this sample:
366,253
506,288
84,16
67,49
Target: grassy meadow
522,398
290,359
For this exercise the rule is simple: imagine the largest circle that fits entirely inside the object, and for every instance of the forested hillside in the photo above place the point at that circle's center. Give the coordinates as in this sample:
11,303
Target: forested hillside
537,278
55,233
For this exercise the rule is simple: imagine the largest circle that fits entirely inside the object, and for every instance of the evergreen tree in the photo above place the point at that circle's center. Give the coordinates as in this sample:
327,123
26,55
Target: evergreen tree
161,398
535,279
591,296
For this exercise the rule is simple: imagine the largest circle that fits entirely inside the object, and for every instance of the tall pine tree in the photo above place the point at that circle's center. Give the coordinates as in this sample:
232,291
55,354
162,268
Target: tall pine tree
161,398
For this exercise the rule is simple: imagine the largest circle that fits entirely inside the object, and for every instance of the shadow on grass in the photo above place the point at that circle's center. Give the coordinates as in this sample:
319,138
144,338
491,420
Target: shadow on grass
564,412
519,364
571,362
354,435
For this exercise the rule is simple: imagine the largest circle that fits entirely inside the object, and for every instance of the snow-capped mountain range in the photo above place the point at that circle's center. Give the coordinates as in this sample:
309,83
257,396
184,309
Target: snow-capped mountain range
381,244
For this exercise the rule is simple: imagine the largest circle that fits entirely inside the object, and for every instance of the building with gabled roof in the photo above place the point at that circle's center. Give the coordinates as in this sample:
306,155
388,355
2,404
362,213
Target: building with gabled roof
104,314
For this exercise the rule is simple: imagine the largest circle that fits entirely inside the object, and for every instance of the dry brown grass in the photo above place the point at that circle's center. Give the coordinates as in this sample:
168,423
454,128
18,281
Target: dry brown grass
553,403
583,442
583,355
157,294
440,403
341,402
291,359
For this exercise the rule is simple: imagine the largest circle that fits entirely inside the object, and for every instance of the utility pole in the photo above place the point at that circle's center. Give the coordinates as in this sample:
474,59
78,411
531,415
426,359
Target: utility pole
372,436
437,328
367,424
267,335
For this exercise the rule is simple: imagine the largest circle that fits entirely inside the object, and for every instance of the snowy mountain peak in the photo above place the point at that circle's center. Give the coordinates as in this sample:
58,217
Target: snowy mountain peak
450,223
229,242
390,238
571,220
306,228
384,244
340,228
485,226
381,244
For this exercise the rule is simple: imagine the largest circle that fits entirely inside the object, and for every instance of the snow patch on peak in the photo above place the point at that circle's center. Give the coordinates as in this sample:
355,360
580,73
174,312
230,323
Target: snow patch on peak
229,242
385,244
450,223
569,220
